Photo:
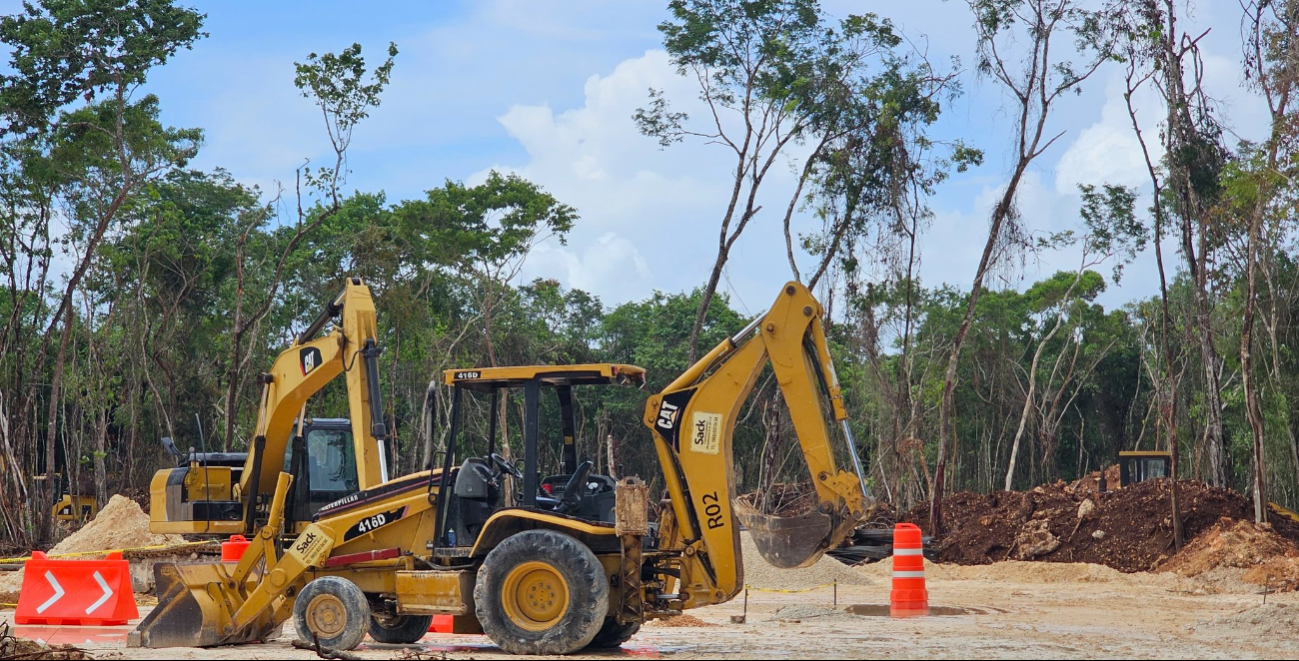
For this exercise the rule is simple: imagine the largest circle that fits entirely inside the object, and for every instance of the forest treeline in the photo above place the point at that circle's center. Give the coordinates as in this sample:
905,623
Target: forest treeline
142,297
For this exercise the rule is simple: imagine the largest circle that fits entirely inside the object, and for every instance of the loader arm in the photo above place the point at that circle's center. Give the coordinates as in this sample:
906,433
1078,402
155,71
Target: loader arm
693,420
300,372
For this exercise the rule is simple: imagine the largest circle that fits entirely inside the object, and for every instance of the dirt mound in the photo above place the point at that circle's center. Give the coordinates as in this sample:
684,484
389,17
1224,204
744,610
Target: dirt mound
1129,529
680,621
1229,543
121,524
1090,483
1268,558
1015,571
759,574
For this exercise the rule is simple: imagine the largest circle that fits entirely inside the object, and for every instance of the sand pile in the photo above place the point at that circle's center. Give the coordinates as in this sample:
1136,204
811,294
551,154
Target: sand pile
1130,529
1267,558
1013,571
759,574
120,524
680,621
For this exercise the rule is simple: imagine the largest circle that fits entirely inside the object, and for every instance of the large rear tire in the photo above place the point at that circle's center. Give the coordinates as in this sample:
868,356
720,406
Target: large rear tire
541,592
334,611
612,635
399,629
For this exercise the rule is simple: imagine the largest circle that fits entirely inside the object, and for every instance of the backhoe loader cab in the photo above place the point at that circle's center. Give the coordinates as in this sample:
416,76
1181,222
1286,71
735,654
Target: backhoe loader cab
572,489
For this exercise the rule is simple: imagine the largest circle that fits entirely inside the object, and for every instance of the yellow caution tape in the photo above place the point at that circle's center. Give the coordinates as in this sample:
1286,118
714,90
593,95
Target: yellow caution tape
816,587
107,551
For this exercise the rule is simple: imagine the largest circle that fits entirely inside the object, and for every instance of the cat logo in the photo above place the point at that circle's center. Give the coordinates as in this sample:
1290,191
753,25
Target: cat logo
668,415
310,359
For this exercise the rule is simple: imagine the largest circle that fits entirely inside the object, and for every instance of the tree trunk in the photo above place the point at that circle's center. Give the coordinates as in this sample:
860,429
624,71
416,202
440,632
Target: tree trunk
45,530
947,410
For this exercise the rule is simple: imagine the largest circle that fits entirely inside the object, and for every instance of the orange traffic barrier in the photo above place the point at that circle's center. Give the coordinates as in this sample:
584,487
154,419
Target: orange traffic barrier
443,624
233,550
909,597
76,592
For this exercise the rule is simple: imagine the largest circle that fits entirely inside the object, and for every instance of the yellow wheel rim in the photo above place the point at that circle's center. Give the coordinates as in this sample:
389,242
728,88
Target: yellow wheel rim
326,615
535,596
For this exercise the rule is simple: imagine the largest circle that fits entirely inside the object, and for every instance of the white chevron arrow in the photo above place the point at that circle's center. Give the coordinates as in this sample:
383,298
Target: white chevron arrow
58,593
108,592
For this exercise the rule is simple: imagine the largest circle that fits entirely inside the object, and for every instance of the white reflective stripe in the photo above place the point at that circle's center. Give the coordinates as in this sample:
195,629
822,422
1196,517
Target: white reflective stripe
908,551
908,574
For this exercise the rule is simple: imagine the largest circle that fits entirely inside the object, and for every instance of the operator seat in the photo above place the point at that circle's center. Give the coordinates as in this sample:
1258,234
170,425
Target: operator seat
477,493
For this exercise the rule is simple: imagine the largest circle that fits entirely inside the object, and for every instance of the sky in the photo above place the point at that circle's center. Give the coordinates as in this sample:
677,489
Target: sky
546,90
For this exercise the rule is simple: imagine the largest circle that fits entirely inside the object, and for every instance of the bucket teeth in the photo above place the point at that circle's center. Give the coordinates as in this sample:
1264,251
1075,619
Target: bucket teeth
195,608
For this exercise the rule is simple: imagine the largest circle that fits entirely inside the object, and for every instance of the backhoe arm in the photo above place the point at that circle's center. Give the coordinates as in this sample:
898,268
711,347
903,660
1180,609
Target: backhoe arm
304,369
693,421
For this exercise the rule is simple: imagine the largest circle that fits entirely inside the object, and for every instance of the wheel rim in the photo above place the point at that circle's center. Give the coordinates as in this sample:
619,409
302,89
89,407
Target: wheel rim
535,595
326,616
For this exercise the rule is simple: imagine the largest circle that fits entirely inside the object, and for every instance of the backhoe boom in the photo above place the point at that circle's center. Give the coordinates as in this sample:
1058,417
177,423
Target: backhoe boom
693,421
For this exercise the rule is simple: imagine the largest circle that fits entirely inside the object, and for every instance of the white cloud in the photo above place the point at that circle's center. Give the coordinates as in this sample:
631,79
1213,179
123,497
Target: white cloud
648,215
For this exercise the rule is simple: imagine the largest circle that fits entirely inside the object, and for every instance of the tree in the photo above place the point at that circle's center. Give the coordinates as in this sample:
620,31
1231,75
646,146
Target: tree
1270,30
1035,83
80,49
337,84
772,74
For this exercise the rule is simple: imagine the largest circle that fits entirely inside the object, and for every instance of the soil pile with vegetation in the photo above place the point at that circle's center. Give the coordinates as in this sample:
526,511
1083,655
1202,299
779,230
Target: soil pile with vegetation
1129,530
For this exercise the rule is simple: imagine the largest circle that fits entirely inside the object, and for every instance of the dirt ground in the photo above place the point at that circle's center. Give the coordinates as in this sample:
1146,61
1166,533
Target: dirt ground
1010,610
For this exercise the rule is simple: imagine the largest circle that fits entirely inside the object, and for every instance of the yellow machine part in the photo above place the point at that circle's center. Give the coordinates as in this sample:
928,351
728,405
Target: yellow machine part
76,507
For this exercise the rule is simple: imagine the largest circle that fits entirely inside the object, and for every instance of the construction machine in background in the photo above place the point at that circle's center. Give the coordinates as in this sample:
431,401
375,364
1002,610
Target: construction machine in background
226,493
1136,466
571,560
70,504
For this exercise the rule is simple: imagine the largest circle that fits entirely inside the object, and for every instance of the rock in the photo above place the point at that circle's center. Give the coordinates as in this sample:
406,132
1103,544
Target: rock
1086,508
1098,535
1035,540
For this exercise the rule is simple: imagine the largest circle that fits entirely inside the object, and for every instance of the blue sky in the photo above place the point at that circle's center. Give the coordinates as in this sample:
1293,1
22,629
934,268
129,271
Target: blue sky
546,89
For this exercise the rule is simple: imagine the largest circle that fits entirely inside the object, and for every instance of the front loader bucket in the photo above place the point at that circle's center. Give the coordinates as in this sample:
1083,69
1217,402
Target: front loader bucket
789,542
196,606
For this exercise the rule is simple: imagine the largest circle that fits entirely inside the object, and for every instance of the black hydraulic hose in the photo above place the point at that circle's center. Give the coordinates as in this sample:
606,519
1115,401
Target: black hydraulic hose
254,485
371,354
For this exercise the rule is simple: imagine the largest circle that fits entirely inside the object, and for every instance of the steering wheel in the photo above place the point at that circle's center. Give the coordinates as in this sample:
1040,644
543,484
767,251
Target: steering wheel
576,487
505,465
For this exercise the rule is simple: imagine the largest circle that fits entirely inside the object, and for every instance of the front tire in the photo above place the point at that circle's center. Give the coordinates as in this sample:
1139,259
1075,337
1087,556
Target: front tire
333,611
399,629
541,592
612,635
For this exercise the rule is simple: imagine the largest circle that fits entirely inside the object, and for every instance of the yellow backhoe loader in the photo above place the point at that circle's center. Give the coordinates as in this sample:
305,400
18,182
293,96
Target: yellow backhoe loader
572,561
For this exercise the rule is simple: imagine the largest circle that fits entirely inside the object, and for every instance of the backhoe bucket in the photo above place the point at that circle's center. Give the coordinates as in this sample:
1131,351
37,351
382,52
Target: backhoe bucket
789,542
196,606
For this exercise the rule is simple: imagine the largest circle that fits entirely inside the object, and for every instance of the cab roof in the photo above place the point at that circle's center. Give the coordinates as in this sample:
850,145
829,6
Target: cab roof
595,374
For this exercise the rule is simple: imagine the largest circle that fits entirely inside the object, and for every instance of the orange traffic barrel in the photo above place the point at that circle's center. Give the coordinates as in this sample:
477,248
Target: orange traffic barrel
233,550
909,597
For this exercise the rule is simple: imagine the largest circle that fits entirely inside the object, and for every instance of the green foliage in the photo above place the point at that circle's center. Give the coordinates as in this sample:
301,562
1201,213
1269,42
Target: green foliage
65,50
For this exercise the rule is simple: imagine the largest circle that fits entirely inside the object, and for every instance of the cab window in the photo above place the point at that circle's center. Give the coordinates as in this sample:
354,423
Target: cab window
330,461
